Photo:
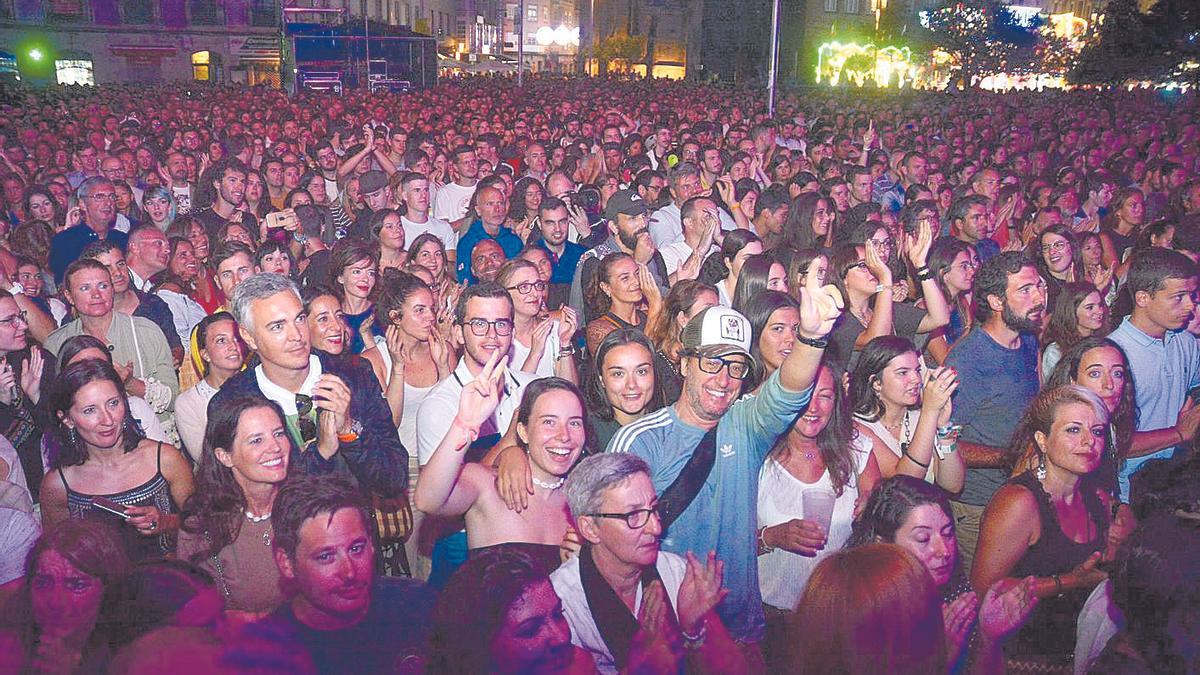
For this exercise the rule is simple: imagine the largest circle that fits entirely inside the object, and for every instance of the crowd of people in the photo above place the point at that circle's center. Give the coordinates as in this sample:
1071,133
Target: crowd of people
596,375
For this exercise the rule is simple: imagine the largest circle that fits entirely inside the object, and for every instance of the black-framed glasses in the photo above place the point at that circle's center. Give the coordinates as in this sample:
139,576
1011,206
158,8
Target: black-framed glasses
1055,247
525,287
308,427
635,519
860,265
480,327
738,369
20,316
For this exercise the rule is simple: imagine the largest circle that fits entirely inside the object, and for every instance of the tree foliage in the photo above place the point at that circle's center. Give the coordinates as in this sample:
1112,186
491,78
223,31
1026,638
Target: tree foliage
621,46
985,37
1132,45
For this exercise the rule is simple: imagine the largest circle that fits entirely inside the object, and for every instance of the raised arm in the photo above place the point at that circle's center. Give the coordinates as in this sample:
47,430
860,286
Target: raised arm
937,311
819,309
881,314
440,491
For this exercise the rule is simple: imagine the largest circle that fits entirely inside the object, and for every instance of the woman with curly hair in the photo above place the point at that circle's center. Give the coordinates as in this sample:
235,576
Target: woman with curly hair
226,523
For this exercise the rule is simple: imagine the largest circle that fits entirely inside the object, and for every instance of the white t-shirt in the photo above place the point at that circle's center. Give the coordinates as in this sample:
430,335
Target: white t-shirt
584,632
183,199
545,368
440,229
451,201
783,575
674,255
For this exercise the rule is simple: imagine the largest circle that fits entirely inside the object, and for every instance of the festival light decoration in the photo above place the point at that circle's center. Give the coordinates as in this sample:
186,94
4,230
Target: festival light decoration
887,66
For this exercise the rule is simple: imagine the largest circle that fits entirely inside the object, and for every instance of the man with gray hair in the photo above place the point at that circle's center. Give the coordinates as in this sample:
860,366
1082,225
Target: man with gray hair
100,222
335,411
615,588
666,224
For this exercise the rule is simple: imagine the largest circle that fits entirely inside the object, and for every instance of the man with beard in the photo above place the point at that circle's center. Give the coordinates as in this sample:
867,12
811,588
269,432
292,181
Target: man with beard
1164,358
970,224
997,366
346,618
486,260
912,169
629,232
181,188
327,163
228,179
706,450
492,206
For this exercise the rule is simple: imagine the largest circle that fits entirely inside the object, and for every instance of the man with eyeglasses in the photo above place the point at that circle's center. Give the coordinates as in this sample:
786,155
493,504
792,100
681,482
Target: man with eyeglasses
334,408
98,202
483,324
26,371
615,508
705,451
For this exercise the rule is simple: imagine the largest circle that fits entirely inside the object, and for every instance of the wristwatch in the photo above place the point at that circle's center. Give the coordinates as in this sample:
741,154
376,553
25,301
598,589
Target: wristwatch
356,429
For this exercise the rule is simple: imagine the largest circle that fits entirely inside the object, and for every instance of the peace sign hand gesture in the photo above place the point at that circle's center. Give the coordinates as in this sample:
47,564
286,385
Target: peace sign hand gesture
481,396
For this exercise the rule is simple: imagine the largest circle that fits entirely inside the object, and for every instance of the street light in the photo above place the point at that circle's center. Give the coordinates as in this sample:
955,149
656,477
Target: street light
35,54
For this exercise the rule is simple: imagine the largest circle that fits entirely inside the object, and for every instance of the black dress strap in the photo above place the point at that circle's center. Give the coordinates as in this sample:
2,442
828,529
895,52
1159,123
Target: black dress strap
158,458
63,477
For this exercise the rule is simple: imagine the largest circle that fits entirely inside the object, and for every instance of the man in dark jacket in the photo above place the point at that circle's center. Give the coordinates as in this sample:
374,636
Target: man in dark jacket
334,408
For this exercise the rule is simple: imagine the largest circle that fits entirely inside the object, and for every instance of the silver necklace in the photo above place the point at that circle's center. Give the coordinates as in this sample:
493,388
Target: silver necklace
549,486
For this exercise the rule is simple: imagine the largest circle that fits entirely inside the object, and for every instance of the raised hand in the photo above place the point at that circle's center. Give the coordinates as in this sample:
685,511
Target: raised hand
919,245
958,616
870,136
820,306
876,265
1005,607
700,591
1104,276
940,385
331,397
31,374
577,218
657,646
480,397
649,286
567,325
8,383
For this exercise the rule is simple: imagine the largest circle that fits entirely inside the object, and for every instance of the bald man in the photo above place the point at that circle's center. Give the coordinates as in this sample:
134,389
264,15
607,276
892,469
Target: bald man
492,207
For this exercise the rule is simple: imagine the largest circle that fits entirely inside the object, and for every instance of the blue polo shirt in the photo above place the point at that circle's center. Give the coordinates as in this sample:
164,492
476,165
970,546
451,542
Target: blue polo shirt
1163,370
724,515
563,265
509,242
68,244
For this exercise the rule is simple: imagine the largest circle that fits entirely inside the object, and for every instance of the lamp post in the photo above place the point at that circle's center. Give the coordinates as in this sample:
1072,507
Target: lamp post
521,44
771,75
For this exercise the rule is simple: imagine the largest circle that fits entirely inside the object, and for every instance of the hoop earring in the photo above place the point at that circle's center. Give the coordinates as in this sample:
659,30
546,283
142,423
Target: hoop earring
1040,472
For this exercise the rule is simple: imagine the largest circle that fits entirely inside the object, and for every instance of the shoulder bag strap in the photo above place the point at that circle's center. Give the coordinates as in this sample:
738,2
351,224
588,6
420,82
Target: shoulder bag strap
680,494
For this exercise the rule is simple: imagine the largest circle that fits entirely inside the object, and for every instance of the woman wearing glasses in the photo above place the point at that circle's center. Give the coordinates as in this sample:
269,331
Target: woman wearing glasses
541,345
621,582
1058,259
953,263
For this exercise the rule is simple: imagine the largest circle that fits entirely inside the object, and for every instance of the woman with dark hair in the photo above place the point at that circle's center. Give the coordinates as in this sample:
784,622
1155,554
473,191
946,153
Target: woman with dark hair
104,454
327,329
527,196
256,189
820,459
353,268
298,197
275,257
235,231
916,516
723,268
906,414
685,300
1057,258
1050,522
759,273
226,524
774,318
39,204
1126,213
798,268
550,428
428,251
217,353
187,269
622,385
810,222
157,594
51,626
865,281
615,295
83,347
387,234
499,614
1078,312
953,264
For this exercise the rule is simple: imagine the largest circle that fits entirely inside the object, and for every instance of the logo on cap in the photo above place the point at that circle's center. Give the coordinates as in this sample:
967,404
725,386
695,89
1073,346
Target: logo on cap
731,328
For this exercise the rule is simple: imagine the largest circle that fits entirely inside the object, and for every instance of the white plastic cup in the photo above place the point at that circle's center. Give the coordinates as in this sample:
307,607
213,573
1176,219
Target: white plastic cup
818,507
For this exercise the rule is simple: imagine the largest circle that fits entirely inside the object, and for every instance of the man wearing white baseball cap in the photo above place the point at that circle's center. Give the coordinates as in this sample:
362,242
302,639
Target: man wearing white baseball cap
706,450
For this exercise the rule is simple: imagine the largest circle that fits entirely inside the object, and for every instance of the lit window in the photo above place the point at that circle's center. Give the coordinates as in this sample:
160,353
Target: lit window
201,68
